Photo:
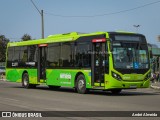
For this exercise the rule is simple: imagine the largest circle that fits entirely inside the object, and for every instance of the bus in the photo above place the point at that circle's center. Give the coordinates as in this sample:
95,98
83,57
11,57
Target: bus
108,61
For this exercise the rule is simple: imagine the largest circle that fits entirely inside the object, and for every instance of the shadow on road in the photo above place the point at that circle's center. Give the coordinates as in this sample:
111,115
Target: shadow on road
132,92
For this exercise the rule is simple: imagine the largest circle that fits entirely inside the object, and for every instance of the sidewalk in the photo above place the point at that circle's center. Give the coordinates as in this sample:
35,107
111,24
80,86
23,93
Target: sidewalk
155,85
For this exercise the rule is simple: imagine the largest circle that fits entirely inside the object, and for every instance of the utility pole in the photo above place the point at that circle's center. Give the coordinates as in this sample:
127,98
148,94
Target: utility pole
42,19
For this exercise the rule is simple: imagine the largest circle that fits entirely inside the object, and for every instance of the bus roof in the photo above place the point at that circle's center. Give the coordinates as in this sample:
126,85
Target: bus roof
59,38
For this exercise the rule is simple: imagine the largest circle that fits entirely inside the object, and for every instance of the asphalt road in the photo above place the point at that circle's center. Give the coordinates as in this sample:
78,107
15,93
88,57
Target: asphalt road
13,97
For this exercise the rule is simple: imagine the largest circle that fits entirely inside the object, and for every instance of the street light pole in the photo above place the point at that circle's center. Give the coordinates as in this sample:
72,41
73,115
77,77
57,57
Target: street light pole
42,19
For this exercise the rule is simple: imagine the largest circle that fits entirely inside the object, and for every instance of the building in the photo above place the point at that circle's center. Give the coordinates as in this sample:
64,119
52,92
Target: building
155,61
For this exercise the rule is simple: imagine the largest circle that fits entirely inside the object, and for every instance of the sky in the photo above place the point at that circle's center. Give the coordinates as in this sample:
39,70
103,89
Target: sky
18,17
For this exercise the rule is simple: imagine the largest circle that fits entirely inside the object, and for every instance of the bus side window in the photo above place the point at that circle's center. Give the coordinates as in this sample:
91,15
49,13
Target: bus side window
23,56
82,55
66,54
10,56
16,56
53,55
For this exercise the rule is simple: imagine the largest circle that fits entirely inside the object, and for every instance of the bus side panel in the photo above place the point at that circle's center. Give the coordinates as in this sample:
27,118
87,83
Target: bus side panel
32,76
52,77
87,75
15,75
60,77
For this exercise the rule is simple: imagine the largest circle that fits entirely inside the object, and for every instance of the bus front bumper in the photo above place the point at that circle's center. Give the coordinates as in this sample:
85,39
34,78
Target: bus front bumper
126,84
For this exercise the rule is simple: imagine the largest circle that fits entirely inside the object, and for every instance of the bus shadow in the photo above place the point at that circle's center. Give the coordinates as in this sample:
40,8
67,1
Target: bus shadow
124,93
97,92
62,89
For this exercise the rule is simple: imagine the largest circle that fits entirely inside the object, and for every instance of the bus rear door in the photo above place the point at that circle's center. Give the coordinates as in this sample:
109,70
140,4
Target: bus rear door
42,61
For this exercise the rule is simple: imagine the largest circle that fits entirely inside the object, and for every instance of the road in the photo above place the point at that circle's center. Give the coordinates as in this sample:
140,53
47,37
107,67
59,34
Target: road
15,98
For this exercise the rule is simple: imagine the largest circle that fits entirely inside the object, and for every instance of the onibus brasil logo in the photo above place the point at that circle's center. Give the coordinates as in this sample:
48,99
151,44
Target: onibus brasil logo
21,114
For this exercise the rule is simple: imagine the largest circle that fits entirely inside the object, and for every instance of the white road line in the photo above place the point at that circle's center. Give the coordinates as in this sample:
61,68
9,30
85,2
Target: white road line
10,99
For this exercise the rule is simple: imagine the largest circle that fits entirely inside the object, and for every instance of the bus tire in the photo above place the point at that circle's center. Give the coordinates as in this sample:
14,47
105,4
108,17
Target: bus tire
116,91
25,81
81,84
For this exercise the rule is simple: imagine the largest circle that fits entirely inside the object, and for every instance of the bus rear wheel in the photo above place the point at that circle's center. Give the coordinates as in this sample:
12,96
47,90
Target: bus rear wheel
81,84
25,81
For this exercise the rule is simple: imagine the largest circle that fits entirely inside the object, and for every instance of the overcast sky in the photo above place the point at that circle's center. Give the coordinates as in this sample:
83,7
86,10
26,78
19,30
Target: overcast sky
20,16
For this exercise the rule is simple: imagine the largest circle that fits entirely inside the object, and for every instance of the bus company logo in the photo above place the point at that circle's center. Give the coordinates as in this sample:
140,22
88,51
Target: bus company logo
65,76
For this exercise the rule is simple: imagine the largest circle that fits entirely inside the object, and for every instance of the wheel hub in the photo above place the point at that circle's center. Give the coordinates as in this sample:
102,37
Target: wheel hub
81,84
25,81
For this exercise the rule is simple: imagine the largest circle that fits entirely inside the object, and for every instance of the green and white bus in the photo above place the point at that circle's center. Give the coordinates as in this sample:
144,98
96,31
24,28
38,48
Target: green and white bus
109,61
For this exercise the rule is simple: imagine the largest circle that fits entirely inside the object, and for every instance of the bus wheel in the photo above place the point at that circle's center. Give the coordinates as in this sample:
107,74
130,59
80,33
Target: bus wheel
81,84
52,87
116,91
25,81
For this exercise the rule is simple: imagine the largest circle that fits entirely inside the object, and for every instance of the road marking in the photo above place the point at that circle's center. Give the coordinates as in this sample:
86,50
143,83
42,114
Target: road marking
10,99
15,105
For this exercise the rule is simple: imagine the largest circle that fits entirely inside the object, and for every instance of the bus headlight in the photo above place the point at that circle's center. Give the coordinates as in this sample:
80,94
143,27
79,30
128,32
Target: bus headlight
147,76
116,76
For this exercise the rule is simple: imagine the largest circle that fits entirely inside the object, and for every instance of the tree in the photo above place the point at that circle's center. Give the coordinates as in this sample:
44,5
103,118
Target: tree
158,38
26,37
3,46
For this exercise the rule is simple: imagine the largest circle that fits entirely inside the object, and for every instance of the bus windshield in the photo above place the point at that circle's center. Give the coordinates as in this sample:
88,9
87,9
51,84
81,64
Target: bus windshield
130,55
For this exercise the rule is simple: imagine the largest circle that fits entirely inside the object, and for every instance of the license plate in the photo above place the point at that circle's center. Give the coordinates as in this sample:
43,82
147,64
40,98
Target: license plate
133,86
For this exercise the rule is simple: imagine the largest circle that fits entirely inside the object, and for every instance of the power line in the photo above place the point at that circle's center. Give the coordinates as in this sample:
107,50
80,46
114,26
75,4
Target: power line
36,7
42,18
112,13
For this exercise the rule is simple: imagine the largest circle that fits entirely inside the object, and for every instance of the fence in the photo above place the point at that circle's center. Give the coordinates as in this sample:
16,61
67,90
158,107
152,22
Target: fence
2,76
2,63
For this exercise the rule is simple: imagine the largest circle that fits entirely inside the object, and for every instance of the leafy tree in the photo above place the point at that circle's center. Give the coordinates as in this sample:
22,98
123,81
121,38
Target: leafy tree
158,38
3,46
26,37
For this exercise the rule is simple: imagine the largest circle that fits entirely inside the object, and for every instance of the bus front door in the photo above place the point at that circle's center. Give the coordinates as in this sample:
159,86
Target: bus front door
98,62
42,62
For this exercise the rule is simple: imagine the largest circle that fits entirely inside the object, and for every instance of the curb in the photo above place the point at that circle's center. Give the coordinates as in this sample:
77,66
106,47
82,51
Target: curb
155,87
